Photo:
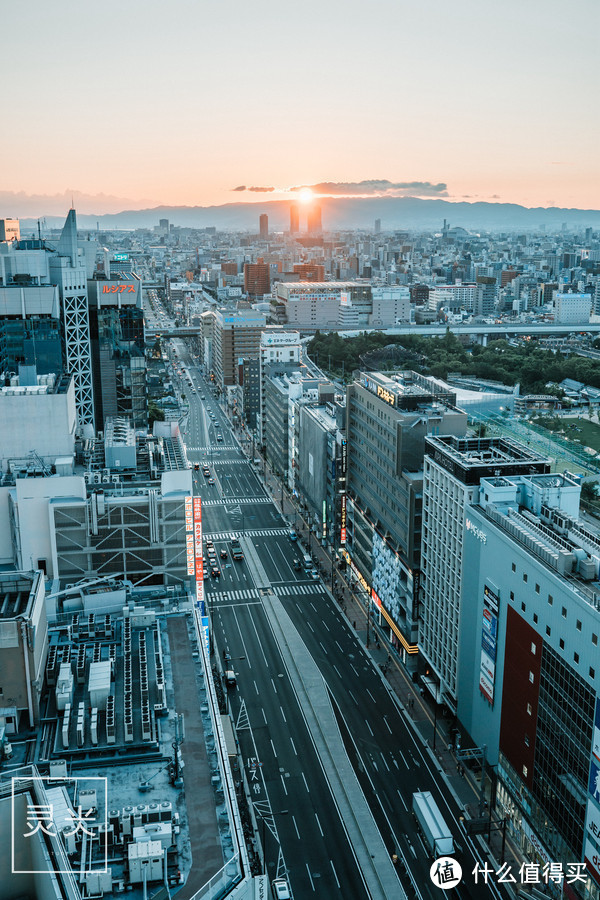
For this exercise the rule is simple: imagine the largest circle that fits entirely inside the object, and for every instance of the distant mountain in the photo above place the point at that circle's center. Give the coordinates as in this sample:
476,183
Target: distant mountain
338,213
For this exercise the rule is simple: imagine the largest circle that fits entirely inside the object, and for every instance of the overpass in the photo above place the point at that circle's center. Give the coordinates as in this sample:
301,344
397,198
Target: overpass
484,332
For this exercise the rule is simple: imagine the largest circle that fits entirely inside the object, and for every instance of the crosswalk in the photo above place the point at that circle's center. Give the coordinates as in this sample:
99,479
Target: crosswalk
249,594
259,532
221,445
233,501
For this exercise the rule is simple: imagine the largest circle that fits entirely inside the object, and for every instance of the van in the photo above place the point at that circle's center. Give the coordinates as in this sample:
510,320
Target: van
307,561
230,681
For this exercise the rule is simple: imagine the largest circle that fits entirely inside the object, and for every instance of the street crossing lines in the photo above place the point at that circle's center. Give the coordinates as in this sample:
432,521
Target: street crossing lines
261,532
246,594
285,590
233,501
215,448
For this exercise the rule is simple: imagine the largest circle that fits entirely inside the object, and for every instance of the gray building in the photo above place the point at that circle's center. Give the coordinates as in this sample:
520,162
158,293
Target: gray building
388,420
529,666
318,472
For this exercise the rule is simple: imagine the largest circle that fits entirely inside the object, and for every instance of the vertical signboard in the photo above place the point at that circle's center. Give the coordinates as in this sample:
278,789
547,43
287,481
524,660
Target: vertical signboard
591,847
189,536
324,534
343,521
200,605
489,641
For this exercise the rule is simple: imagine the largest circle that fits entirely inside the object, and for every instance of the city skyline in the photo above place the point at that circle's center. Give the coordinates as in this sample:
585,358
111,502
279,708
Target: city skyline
438,101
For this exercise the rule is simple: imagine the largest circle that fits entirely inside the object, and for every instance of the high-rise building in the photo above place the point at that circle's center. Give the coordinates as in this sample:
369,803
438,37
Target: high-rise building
280,352
264,227
257,278
387,421
314,225
453,469
294,218
309,271
377,226
529,662
117,343
235,335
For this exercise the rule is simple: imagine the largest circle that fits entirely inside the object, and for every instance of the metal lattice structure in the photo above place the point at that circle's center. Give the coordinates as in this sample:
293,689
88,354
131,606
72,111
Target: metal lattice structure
77,351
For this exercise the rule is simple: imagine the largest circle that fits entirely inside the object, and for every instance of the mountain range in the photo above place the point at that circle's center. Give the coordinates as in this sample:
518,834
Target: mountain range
396,213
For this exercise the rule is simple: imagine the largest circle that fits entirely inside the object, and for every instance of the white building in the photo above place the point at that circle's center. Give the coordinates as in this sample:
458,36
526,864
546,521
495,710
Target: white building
572,309
453,296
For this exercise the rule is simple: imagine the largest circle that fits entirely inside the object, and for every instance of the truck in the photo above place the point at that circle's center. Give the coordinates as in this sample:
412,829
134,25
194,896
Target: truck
236,549
436,834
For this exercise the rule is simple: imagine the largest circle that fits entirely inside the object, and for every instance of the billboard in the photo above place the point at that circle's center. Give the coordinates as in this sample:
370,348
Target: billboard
489,642
343,521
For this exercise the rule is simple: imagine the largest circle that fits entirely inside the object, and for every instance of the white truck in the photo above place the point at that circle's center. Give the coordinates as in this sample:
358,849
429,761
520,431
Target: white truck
438,837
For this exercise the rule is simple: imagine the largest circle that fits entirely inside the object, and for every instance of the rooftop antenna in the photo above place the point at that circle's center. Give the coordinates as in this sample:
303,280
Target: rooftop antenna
39,231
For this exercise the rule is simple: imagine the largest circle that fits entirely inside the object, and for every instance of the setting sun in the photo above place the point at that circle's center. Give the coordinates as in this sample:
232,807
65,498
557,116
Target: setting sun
305,195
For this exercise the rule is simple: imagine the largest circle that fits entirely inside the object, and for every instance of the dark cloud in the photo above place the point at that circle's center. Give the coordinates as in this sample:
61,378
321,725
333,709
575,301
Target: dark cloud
377,187
255,190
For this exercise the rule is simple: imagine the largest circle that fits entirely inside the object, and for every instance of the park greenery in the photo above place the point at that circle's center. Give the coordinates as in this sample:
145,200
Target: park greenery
537,370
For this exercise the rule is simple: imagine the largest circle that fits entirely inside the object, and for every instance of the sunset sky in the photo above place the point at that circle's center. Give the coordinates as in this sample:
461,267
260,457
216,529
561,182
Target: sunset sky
127,105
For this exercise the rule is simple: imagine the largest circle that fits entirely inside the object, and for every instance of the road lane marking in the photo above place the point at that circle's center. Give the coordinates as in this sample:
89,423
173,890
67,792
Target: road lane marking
293,746
371,696
319,824
264,717
323,648
273,683
296,827
256,688
369,727
283,783
339,645
402,800
353,697
337,880
273,748
388,725
384,762
305,784
337,670
283,714
403,759
310,876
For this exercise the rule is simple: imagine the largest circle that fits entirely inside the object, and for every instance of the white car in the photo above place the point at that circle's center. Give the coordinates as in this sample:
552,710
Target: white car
281,890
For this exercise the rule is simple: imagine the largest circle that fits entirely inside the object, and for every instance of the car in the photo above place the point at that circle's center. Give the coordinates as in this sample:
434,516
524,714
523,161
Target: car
314,574
296,564
212,554
281,890
219,437
206,472
293,535
215,571
223,553
211,480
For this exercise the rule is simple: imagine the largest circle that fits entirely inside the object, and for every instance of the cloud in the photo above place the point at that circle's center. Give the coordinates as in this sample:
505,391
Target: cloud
23,205
255,190
378,187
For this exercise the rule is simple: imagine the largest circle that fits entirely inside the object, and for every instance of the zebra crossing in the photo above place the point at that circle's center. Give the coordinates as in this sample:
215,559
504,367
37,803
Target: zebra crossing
214,448
261,532
248,594
233,501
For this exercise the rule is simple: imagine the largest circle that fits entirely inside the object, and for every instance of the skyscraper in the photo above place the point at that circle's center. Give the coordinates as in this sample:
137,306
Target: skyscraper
377,226
264,227
294,219
257,278
314,220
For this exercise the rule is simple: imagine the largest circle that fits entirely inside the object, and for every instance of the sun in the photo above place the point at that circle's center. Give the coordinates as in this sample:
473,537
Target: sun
305,195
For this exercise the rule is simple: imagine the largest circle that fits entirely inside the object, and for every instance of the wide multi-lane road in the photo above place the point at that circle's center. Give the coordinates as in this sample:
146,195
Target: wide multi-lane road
303,835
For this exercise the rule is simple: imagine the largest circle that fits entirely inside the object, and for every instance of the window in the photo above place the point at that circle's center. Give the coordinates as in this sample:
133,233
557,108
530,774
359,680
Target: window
550,599
526,740
576,657
525,577
533,648
594,639
512,595
531,677
537,588
525,771
535,618
548,630
529,710
523,607
561,644
578,625
564,612
514,568
592,672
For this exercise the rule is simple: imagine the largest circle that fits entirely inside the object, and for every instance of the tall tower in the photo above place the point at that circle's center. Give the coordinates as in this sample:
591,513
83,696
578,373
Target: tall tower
294,219
314,220
264,227
68,272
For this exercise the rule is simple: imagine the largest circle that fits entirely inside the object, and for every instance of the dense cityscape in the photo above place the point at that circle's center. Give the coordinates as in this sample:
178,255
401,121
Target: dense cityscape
299,561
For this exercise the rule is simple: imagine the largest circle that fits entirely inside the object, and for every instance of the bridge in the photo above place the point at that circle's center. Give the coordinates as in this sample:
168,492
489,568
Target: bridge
484,332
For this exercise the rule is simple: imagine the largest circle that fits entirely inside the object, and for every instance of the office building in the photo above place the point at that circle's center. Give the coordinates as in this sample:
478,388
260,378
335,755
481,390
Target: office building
264,227
377,226
387,421
453,469
529,663
451,297
314,224
572,308
280,353
10,230
485,296
249,381
309,305
67,265
236,335
30,328
257,278
309,271
294,218
118,350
